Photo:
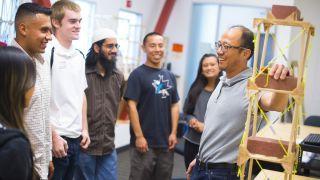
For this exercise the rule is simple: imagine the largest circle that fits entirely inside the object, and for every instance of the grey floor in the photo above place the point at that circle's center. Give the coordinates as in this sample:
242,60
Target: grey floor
124,166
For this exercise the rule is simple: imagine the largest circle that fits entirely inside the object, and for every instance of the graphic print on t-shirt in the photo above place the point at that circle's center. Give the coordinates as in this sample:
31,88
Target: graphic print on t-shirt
161,86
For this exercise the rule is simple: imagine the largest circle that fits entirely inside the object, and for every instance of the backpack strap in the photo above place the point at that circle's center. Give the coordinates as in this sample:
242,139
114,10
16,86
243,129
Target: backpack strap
52,54
81,53
51,58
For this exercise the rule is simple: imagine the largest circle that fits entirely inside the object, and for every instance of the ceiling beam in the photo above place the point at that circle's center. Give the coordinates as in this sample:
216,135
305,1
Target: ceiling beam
164,16
45,3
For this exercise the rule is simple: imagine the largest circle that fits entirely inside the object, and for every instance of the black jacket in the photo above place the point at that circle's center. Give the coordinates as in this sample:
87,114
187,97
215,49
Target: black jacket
15,155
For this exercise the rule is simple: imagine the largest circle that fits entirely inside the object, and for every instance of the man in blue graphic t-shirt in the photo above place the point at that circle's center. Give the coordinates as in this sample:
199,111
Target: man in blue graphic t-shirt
153,109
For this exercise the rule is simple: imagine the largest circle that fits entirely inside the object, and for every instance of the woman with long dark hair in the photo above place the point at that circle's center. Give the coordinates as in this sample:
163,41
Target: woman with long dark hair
17,77
196,103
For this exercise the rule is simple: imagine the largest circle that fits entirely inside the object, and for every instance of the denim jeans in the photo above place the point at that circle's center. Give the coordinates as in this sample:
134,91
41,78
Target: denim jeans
92,167
64,167
199,173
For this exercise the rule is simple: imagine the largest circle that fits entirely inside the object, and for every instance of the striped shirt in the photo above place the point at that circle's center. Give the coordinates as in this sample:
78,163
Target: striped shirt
103,97
37,117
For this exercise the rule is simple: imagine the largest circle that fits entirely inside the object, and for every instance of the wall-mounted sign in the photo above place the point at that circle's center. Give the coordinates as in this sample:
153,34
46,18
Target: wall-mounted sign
177,47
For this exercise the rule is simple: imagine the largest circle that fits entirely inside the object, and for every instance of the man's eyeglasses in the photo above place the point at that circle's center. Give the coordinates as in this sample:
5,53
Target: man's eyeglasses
111,46
226,47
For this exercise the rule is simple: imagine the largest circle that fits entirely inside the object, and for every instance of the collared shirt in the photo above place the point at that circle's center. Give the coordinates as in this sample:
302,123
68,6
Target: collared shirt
225,120
37,116
68,83
103,97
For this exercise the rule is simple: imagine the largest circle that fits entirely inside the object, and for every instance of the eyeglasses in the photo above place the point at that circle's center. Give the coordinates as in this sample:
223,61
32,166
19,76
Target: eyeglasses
111,46
225,47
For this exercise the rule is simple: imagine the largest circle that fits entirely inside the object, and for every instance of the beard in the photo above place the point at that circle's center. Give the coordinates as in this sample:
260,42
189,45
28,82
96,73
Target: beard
108,64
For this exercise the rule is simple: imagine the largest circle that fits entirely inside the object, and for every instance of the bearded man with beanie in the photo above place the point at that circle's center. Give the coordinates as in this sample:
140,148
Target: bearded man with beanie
104,92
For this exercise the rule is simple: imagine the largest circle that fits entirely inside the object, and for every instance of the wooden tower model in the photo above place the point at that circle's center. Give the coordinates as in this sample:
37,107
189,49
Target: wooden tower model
267,149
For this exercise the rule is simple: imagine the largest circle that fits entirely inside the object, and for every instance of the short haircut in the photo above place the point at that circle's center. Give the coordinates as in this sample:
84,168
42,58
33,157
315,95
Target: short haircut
148,35
59,7
27,10
246,39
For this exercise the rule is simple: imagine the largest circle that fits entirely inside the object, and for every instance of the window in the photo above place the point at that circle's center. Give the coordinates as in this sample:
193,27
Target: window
8,9
129,32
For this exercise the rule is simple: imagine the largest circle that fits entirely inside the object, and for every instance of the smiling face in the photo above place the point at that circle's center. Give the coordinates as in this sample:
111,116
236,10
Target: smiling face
37,33
154,49
109,48
230,58
233,60
210,67
69,27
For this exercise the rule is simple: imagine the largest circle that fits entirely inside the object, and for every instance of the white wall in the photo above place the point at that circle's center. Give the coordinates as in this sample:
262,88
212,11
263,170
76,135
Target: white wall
150,10
178,31
310,12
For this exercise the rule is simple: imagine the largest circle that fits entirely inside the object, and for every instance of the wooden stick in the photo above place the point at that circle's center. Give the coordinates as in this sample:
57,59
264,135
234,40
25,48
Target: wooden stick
285,23
243,168
255,116
246,132
275,90
285,176
265,45
294,125
256,51
250,168
300,63
248,121
305,46
265,158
